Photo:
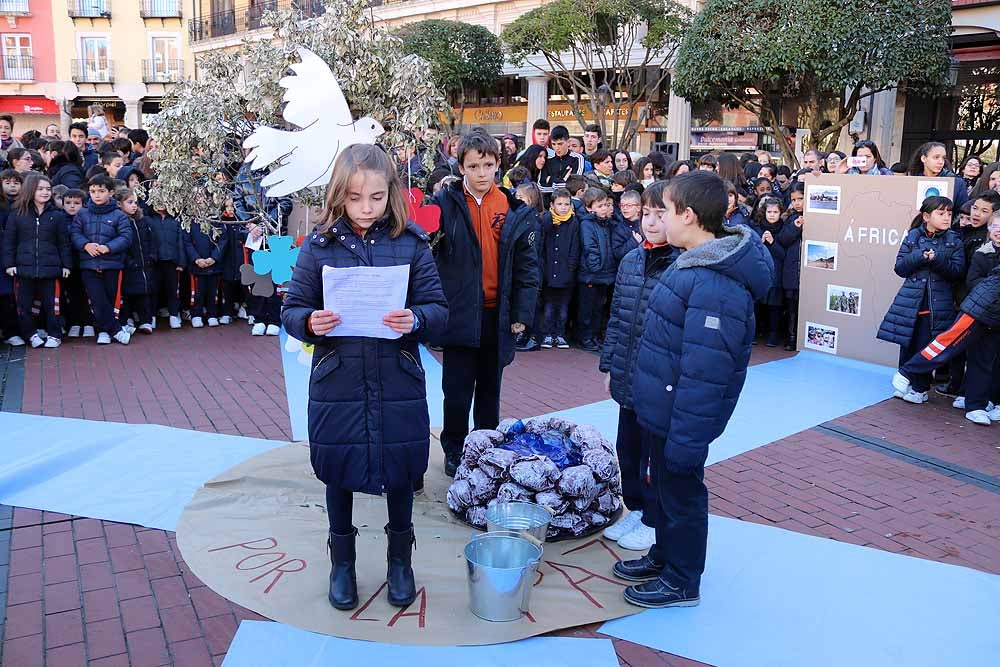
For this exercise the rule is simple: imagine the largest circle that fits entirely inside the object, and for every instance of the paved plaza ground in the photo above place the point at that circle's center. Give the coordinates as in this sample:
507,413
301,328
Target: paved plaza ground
916,480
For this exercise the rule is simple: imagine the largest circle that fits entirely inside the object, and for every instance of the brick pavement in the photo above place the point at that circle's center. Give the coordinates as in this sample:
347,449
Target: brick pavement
83,591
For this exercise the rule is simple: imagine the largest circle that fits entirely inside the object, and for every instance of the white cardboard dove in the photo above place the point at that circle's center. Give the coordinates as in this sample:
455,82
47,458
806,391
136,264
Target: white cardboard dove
315,103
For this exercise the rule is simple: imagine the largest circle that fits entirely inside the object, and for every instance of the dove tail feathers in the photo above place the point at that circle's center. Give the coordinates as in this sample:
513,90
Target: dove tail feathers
268,145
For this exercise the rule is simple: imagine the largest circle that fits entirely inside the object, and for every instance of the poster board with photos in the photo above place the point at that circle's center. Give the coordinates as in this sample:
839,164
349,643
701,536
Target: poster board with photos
851,234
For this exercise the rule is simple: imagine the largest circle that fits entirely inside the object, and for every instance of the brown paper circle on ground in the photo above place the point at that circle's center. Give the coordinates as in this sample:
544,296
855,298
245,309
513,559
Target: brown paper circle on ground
256,534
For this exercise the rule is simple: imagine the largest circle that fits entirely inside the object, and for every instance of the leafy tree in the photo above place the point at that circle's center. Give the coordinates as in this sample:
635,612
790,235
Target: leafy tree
605,56
200,131
826,55
463,57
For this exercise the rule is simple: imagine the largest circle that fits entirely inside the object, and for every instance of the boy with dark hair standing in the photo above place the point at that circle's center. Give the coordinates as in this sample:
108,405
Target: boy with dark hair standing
102,233
689,373
597,266
78,136
540,132
488,266
562,163
591,141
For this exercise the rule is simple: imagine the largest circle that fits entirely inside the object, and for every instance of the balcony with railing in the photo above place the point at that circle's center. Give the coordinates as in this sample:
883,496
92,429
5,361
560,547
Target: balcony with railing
93,71
160,9
89,9
17,68
162,71
247,18
14,8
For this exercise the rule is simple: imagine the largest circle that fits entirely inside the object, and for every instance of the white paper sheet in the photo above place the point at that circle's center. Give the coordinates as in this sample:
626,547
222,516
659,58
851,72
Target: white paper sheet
362,296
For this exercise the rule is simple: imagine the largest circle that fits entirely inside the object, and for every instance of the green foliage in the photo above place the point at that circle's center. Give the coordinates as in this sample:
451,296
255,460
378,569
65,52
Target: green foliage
626,45
461,55
202,126
815,50
565,25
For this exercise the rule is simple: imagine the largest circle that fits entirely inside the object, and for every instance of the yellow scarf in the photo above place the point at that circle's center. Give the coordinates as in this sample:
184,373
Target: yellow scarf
557,219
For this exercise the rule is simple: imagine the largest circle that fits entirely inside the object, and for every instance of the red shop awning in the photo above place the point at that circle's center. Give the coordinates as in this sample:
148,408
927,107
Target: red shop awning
27,104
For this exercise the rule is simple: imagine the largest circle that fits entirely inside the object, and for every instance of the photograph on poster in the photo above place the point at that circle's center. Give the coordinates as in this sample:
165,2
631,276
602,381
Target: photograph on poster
927,189
821,337
823,199
821,255
846,300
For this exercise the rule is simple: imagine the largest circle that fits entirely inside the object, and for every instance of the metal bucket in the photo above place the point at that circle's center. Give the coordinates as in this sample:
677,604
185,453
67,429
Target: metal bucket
501,572
519,517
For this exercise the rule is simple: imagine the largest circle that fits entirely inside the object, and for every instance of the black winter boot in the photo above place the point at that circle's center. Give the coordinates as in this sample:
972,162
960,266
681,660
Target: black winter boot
402,588
343,580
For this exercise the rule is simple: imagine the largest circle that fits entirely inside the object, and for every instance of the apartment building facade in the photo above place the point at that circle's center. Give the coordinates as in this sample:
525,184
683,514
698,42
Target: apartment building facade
60,56
27,64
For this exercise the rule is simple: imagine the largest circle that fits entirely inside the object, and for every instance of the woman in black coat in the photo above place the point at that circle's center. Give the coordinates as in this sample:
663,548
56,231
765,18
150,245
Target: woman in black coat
65,167
36,250
369,428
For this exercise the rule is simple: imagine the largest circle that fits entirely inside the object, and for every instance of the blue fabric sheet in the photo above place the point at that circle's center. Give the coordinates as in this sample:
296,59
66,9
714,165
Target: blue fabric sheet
263,644
780,398
132,473
782,599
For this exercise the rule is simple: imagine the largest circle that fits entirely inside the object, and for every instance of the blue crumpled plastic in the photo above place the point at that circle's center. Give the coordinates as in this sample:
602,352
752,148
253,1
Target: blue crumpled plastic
552,444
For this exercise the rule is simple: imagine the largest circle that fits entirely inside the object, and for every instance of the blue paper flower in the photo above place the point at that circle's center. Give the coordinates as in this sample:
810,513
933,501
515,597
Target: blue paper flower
278,261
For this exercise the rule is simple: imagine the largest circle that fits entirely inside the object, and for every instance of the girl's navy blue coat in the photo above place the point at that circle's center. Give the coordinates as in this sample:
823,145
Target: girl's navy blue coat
560,252
6,282
37,244
169,244
199,245
775,296
638,273
140,259
104,224
927,285
790,238
369,428
597,256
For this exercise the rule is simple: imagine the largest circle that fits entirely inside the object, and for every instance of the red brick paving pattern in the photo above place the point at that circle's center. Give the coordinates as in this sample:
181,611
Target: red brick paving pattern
83,591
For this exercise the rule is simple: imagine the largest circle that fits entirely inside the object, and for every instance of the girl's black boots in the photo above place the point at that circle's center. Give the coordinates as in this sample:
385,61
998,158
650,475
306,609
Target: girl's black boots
402,588
343,580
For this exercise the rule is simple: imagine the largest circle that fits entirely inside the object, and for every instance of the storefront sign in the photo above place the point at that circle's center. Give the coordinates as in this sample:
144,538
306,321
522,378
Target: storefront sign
27,104
740,140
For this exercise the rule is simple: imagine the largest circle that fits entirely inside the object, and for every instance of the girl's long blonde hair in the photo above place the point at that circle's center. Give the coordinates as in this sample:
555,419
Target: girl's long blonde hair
364,157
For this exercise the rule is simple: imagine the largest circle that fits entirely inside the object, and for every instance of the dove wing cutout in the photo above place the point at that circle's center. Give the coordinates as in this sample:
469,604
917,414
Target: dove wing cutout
315,103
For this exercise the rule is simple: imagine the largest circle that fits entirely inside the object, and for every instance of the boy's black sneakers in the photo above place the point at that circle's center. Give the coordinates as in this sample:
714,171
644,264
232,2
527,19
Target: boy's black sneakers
548,342
657,594
561,343
589,345
451,464
639,569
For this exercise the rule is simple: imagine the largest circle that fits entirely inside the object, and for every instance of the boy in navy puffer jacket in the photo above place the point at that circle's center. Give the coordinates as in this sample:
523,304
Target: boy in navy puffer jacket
102,234
597,266
638,273
170,261
690,371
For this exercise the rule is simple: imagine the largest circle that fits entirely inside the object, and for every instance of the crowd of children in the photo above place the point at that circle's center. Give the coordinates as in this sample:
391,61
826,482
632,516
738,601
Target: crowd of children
83,257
